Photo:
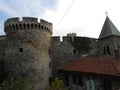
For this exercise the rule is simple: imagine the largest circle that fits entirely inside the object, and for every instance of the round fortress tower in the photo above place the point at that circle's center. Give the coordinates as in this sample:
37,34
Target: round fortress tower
27,50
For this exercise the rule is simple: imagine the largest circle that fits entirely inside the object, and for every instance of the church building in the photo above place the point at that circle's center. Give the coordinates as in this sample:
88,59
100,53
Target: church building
97,72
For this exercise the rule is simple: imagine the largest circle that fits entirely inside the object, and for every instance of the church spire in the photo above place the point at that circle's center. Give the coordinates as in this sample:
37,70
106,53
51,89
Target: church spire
109,29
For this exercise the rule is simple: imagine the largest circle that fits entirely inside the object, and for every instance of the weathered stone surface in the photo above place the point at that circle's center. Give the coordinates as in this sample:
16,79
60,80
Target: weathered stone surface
27,51
109,46
62,52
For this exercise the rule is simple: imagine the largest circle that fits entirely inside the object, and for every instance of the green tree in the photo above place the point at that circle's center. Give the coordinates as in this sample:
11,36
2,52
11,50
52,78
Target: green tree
81,44
57,84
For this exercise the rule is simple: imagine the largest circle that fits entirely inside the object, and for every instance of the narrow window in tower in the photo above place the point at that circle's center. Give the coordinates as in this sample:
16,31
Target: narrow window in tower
49,52
20,49
74,51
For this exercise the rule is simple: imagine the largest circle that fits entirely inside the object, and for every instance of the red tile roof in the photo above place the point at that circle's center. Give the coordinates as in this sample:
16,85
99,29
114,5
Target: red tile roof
95,64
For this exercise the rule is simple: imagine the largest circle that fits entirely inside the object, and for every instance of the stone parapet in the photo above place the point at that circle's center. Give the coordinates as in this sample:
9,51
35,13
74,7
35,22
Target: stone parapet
27,23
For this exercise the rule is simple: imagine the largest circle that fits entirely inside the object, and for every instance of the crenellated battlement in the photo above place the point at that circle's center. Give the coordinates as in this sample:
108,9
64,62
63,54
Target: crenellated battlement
56,38
27,23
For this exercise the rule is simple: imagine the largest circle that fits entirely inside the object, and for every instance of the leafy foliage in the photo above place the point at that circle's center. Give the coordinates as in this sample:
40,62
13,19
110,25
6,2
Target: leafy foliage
57,84
15,84
81,44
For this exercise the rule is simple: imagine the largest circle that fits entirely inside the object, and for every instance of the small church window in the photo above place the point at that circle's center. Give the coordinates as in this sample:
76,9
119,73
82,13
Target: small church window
108,50
20,49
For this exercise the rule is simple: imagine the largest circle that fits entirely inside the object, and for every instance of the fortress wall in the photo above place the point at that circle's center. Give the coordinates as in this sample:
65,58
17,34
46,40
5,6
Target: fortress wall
2,57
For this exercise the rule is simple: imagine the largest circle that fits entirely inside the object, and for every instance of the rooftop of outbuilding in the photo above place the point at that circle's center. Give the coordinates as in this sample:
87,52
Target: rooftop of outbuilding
95,64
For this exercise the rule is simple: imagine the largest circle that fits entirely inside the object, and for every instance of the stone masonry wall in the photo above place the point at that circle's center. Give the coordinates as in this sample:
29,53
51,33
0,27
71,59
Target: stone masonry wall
27,52
2,56
62,52
114,46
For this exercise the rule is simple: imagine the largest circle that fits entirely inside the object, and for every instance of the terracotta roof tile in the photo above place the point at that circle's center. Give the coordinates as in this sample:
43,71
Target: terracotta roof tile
95,64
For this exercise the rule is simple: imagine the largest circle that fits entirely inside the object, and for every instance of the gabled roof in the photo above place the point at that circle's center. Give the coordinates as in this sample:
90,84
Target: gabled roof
104,65
109,29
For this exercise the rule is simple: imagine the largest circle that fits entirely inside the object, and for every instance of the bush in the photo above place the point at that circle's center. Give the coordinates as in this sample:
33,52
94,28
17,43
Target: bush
57,84
15,84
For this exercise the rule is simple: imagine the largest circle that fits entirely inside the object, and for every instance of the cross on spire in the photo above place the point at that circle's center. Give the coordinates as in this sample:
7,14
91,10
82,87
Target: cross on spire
106,13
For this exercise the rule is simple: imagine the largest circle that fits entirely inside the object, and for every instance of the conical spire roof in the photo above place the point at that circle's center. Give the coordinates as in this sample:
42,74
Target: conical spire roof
109,29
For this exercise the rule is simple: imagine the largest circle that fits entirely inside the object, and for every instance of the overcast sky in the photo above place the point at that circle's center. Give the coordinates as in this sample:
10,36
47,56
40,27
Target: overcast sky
84,17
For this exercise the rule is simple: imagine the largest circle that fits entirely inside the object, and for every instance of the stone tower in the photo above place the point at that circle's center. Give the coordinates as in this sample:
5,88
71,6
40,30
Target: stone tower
27,50
109,39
